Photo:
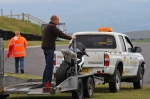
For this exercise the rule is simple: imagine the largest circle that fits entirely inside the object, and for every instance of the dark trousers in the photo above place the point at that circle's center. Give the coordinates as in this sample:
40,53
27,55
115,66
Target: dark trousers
17,59
49,56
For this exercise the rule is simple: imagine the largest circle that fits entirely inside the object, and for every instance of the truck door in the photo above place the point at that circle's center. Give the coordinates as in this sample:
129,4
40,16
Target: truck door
132,58
124,55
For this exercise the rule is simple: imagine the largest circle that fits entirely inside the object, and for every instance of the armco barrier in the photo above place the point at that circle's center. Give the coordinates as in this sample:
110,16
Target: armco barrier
7,35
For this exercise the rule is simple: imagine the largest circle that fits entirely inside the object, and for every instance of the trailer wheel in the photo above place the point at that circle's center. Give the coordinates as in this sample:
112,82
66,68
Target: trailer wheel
4,96
116,84
88,87
78,94
61,73
139,83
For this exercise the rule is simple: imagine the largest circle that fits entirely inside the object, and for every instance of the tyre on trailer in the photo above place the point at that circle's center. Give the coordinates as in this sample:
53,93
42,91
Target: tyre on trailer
78,94
139,83
116,84
61,73
88,87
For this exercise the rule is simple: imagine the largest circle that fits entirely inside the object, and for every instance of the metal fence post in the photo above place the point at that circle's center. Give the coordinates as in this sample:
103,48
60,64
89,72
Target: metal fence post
23,16
11,13
28,17
1,61
1,12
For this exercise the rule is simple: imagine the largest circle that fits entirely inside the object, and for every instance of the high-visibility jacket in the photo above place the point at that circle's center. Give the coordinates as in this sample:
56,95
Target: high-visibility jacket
20,45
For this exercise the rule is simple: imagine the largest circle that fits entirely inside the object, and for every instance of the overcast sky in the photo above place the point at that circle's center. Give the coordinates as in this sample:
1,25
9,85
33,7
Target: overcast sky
86,15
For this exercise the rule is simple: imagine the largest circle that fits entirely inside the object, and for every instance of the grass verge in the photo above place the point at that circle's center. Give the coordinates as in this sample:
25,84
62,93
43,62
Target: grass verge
37,43
101,92
23,76
139,41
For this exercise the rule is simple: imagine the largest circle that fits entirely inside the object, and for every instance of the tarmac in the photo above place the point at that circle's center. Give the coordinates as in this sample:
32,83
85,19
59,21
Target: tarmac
35,62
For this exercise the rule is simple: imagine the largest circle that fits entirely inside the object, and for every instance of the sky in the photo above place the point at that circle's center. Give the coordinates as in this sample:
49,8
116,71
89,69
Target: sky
86,15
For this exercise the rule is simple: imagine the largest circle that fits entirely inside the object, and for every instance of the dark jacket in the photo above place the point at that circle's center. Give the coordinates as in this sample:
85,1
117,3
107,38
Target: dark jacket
50,33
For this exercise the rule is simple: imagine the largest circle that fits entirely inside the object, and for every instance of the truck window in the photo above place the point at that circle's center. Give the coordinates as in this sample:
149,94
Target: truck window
129,45
122,43
97,41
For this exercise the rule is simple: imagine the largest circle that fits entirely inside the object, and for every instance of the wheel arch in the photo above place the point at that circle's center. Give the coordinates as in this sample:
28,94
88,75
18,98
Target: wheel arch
119,66
141,64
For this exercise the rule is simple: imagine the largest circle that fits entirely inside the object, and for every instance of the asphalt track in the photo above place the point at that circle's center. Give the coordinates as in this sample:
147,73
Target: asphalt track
35,63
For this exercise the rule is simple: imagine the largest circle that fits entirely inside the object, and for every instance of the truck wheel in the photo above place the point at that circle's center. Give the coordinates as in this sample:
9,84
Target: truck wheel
78,94
88,87
4,96
115,86
139,83
61,73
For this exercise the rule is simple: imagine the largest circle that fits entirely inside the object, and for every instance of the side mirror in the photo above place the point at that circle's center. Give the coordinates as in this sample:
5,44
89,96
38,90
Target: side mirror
138,49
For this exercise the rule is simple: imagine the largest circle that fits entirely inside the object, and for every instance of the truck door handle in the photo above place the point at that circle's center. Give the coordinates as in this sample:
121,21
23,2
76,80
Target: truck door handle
130,57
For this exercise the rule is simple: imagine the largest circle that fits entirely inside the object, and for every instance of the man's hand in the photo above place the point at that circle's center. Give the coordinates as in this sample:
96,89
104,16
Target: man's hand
73,37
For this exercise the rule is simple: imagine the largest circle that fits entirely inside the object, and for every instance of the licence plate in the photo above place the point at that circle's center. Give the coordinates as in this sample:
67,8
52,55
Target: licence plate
85,70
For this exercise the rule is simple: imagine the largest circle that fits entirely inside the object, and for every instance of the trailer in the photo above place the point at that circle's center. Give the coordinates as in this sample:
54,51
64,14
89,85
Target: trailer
80,85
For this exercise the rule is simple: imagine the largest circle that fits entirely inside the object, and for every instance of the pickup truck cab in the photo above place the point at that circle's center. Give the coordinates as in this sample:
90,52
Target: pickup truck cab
112,56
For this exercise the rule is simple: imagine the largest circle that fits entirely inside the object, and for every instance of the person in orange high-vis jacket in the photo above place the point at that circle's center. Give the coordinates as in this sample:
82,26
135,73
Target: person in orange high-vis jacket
18,51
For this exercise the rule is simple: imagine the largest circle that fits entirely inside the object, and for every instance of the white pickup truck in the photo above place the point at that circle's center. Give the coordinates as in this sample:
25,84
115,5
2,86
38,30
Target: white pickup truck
111,56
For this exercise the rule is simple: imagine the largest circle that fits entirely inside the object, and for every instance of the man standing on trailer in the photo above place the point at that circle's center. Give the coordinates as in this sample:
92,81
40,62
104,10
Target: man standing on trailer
50,34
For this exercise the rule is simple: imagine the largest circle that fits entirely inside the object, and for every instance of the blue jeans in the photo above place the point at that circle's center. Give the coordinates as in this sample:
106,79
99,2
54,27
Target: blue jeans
17,59
49,56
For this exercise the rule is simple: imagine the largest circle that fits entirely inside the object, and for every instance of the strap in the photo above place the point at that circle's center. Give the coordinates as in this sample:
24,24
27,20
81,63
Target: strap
19,52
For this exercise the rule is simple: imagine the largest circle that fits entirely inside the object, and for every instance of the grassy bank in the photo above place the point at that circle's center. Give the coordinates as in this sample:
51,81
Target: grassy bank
101,92
37,43
13,24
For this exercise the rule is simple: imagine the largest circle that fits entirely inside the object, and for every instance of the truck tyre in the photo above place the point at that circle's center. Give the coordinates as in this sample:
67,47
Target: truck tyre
4,96
78,94
88,87
139,83
61,73
116,84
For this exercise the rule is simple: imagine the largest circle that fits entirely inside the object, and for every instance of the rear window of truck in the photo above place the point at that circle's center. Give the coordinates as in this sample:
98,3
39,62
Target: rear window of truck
97,41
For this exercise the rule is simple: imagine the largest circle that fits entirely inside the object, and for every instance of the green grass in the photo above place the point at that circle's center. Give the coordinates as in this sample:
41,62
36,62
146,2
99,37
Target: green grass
139,41
13,24
101,92
36,43
23,76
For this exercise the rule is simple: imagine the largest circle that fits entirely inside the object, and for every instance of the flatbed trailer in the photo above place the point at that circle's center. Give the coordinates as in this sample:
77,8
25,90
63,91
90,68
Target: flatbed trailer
74,84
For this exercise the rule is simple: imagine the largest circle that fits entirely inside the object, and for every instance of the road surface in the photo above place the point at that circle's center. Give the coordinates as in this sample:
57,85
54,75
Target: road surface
35,63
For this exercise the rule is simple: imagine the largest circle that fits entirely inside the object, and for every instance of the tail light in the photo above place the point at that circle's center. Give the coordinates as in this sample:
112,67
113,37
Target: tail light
48,87
1,89
106,60
98,72
48,84
54,61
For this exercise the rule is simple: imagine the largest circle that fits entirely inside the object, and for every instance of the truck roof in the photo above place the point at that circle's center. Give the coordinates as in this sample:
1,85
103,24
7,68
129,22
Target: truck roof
97,33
